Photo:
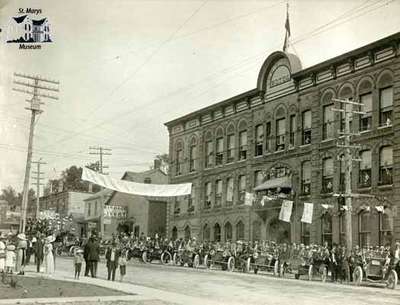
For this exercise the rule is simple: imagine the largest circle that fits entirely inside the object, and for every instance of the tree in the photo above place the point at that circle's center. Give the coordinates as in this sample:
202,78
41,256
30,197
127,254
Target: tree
14,199
164,162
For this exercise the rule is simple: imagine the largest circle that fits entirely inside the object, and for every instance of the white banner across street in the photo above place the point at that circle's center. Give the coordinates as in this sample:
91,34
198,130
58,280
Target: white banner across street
141,189
307,212
286,210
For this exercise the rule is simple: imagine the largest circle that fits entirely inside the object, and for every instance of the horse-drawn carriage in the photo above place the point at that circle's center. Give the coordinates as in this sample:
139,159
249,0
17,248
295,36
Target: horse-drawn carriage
377,269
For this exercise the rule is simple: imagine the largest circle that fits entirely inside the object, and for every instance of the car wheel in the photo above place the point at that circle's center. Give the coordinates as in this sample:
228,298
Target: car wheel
276,268
144,257
231,264
166,258
392,280
310,272
196,261
248,264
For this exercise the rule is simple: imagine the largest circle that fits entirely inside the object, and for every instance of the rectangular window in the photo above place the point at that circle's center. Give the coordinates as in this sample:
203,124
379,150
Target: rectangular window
386,166
242,188
280,134
179,159
209,154
327,175
305,233
386,106
306,177
191,200
365,169
177,207
342,177
364,233
366,119
268,136
259,140
220,152
192,158
231,149
218,192
207,203
89,208
243,145
306,127
292,134
328,126
229,191
258,178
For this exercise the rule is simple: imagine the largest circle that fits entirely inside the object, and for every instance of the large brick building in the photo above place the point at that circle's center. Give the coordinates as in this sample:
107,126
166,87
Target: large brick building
281,138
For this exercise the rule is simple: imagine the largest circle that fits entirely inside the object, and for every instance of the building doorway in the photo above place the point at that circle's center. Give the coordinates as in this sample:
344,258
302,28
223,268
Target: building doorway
278,231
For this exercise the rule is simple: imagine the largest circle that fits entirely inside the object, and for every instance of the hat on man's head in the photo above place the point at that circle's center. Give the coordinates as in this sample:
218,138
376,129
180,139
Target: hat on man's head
21,236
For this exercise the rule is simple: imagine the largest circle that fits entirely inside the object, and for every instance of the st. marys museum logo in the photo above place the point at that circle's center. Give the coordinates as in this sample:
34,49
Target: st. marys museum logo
29,30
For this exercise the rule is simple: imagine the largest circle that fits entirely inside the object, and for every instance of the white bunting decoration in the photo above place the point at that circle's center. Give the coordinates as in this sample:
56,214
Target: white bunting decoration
286,210
307,212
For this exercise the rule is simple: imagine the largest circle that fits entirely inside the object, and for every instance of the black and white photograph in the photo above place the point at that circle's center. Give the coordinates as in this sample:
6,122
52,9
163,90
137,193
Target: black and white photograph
205,152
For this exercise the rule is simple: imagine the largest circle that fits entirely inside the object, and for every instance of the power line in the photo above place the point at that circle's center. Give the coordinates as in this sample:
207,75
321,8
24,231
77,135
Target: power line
38,183
100,151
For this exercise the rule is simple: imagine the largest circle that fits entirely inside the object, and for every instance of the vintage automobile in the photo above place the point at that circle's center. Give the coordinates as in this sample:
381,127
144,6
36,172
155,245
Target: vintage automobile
157,251
317,266
136,251
220,258
376,270
263,261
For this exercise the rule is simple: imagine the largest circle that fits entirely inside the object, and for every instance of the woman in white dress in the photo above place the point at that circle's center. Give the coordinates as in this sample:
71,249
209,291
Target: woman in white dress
48,256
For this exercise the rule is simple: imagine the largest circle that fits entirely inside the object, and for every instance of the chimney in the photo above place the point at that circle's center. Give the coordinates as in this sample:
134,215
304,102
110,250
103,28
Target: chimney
157,164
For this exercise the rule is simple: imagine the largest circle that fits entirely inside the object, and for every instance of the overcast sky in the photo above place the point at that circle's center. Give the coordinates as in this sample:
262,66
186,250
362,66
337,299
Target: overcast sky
127,67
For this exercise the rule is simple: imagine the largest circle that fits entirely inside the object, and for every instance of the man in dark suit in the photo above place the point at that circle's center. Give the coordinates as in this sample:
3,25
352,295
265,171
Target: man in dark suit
85,257
93,255
38,248
112,257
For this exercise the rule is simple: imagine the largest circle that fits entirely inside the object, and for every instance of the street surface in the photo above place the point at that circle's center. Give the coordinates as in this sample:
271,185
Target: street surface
221,287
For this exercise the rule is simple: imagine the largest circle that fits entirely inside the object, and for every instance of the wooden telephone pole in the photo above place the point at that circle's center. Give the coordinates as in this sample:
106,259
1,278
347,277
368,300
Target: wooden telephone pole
38,178
36,86
101,151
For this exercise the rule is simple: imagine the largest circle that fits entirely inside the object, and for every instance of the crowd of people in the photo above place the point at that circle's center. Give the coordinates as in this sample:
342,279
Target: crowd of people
16,251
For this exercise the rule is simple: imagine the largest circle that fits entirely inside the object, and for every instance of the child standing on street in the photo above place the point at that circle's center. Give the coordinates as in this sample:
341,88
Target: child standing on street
122,264
10,259
78,259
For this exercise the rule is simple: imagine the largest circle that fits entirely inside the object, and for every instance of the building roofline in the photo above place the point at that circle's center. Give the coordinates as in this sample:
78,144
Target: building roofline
296,75
248,94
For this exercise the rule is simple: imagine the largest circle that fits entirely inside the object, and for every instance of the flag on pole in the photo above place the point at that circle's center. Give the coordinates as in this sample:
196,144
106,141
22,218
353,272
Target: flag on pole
248,199
307,212
287,28
286,210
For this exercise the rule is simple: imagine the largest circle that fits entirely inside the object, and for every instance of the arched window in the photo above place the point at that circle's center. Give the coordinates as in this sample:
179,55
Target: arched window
327,175
219,155
280,134
305,233
209,150
365,98
239,230
364,233
345,93
218,192
207,201
364,177
179,158
386,165
306,177
306,126
385,227
229,191
326,228
230,154
217,232
259,140
328,119
206,232
385,85
228,231
192,155
241,188
242,141
191,200
187,233
174,233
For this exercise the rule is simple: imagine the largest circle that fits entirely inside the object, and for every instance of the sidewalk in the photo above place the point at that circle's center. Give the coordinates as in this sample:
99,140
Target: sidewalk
143,295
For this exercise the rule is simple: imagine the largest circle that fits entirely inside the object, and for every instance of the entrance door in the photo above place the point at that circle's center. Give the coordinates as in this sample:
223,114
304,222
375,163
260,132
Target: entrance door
278,231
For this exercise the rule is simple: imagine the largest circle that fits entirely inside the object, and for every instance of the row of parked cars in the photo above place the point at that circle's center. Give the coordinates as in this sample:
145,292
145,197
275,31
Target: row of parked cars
374,269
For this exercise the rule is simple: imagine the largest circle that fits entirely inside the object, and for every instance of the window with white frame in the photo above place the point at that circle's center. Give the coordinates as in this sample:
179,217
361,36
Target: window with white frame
259,140
280,134
386,165
386,106
342,173
365,169
179,160
229,191
192,157
306,127
326,228
218,192
219,156
386,227
243,145
305,233
364,233
328,125
327,175
366,119
191,200
258,178
268,137
240,230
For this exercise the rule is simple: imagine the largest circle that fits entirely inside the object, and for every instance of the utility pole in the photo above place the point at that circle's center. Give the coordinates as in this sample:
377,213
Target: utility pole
38,177
347,112
101,151
38,87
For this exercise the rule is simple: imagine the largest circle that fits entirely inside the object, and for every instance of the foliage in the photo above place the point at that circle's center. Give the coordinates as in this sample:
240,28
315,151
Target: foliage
13,198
